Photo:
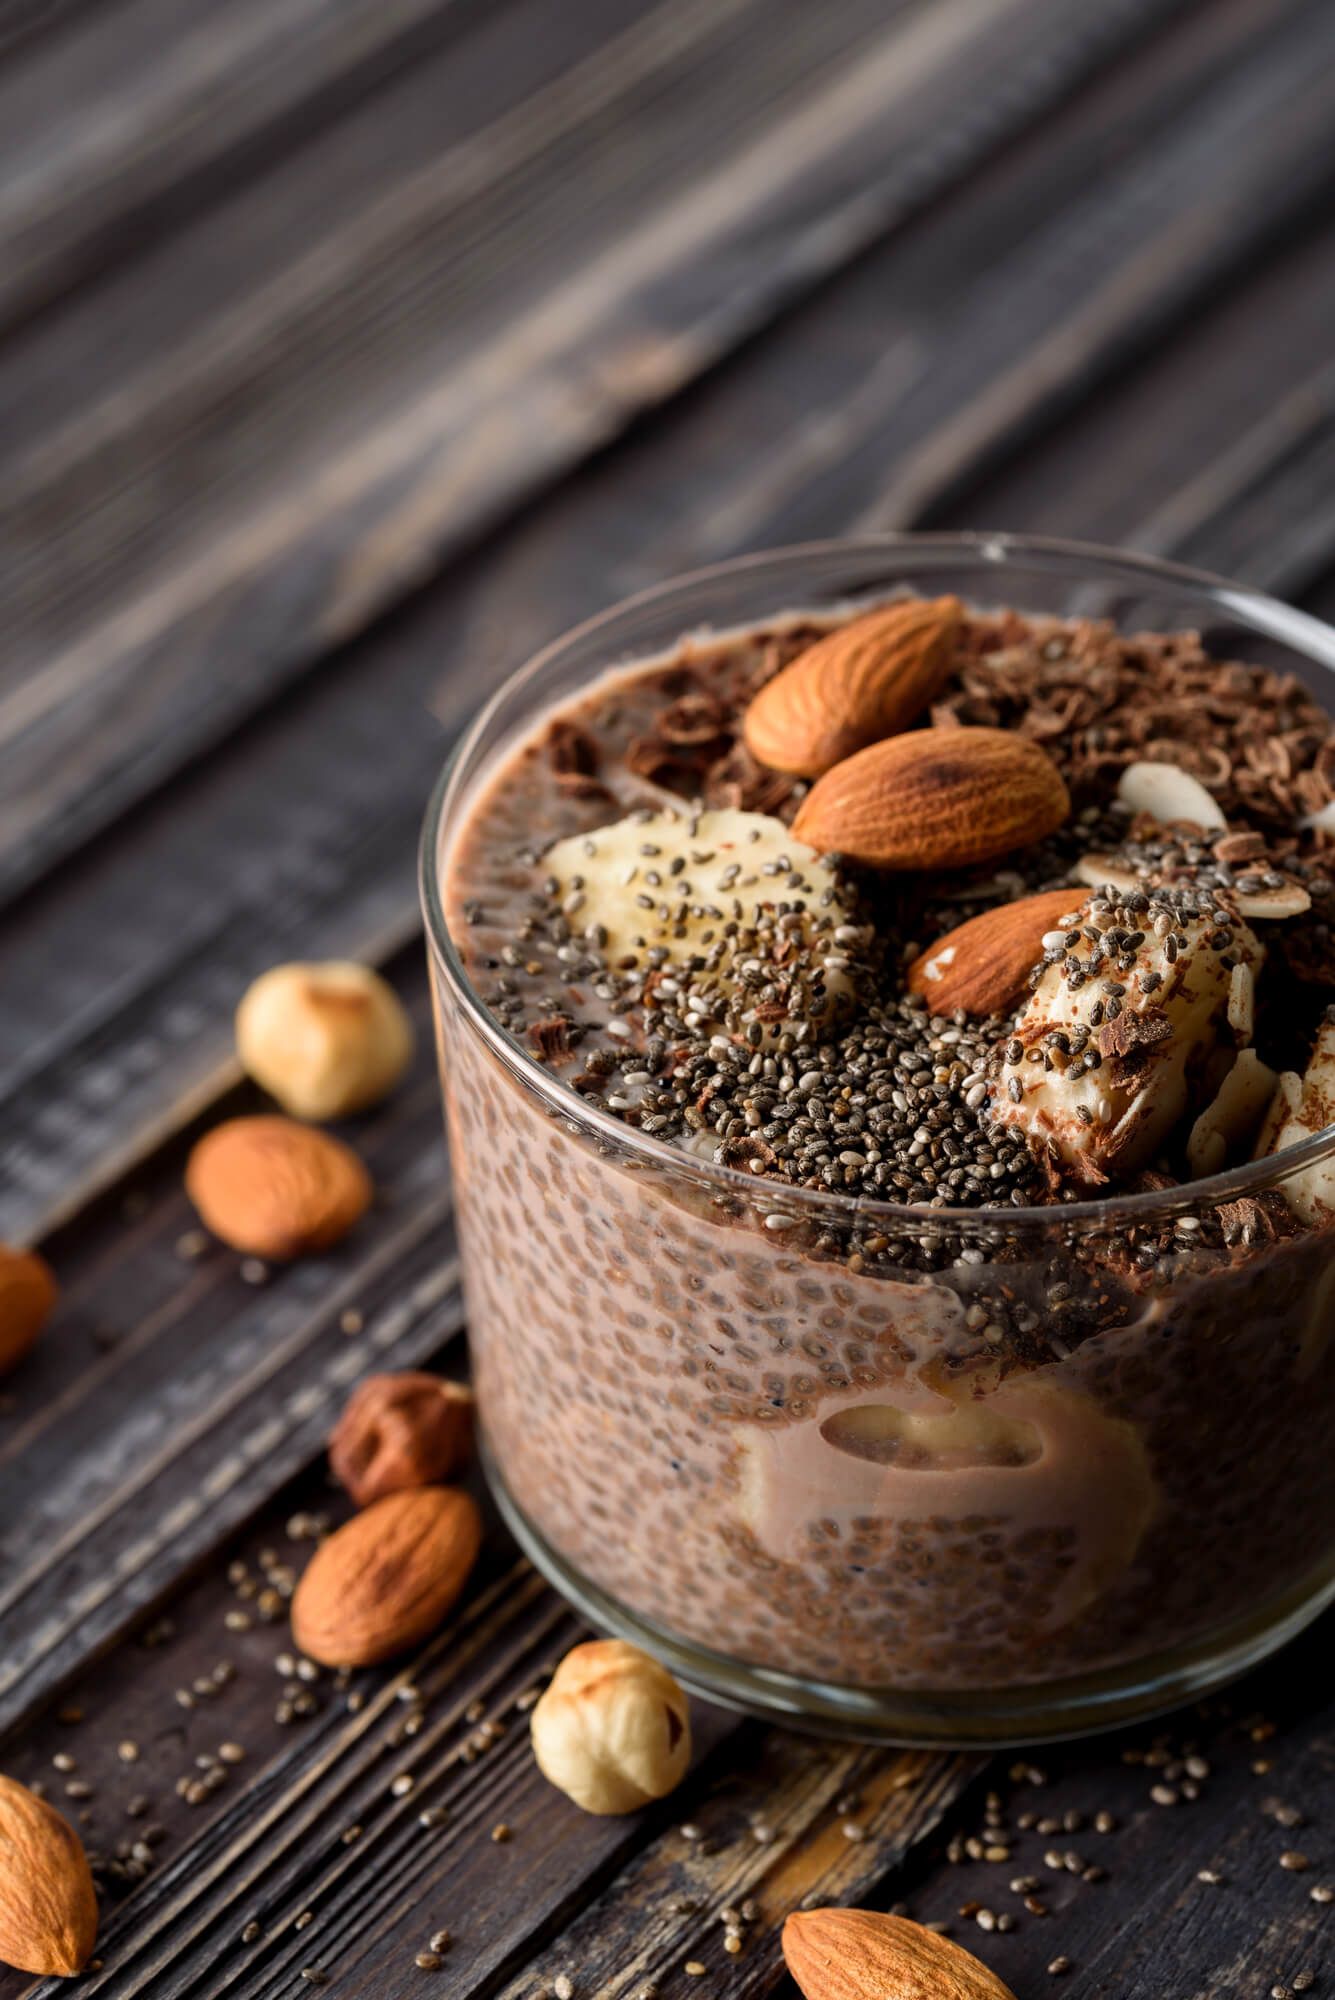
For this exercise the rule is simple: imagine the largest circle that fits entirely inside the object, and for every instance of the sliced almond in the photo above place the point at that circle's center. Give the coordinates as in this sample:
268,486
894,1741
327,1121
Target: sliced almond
1242,1002
867,680
1305,1106
981,967
1231,1117
1170,795
935,798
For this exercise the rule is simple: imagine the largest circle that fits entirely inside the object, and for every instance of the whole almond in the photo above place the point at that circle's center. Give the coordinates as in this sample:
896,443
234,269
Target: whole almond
861,1955
48,1906
867,680
981,967
384,1581
273,1188
935,798
406,1429
27,1295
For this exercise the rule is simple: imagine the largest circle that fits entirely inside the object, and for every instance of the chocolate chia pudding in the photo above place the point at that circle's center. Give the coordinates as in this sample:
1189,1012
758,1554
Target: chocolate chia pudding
886,1047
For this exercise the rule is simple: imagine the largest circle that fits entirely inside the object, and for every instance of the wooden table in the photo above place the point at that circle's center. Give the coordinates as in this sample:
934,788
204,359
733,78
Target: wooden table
348,348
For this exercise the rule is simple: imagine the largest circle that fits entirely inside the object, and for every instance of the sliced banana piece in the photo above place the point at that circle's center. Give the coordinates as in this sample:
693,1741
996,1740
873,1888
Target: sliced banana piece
1113,1041
761,927
1304,1106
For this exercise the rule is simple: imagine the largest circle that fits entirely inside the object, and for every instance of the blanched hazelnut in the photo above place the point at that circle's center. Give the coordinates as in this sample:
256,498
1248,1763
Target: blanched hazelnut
613,1730
325,1039
399,1431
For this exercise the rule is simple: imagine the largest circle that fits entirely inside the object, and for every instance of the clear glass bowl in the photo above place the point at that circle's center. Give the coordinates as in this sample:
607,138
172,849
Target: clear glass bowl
674,1362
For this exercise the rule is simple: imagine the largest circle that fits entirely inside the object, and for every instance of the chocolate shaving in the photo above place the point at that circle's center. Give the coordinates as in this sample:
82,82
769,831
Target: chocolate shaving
552,1039
1098,701
737,780
1133,1032
571,750
578,785
696,719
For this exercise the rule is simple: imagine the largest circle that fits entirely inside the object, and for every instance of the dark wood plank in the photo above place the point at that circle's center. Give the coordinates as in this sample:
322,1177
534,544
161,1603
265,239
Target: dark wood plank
269,1844
181,1387
301,840
1208,402
1151,1924
138,112
225,457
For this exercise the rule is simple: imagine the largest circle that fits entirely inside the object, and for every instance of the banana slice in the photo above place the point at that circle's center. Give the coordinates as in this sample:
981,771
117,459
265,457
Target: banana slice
1111,1046
1304,1106
761,927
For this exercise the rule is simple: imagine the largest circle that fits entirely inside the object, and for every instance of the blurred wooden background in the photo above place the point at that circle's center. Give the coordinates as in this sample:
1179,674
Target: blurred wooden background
349,349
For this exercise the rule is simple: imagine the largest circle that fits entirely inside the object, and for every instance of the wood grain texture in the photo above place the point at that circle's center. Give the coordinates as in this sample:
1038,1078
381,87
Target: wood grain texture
136,114
269,1846
172,1397
1109,370
284,419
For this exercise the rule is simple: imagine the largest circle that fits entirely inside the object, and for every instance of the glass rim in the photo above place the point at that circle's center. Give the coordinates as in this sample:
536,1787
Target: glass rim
1267,615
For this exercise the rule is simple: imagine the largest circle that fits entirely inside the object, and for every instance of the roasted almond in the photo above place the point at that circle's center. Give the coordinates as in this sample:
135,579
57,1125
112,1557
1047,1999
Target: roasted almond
273,1188
935,798
48,1906
869,679
384,1581
27,1295
862,1955
981,967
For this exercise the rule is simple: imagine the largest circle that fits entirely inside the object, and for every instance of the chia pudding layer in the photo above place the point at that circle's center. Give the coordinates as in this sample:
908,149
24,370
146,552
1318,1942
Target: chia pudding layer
841,1336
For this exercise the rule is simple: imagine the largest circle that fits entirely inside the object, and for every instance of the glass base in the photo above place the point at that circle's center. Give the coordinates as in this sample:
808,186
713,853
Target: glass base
981,1718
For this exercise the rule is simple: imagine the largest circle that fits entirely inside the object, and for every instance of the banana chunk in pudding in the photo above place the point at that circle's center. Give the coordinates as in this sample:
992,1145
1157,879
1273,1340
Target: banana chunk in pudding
755,925
1117,1036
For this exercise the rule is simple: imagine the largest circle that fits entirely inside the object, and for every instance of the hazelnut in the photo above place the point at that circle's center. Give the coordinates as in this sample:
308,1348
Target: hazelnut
613,1730
325,1039
399,1431
27,1294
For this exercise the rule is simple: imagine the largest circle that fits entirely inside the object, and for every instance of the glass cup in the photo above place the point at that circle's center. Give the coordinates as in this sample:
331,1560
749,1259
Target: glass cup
815,1491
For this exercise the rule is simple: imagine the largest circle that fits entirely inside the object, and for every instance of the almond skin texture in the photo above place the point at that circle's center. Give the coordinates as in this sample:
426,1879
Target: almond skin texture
982,967
383,1582
273,1188
48,1906
935,798
868,680
399,1431
861,1955
27,1295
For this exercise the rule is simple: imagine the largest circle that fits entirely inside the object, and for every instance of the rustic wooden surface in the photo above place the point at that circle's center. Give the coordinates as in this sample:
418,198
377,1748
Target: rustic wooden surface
347,351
